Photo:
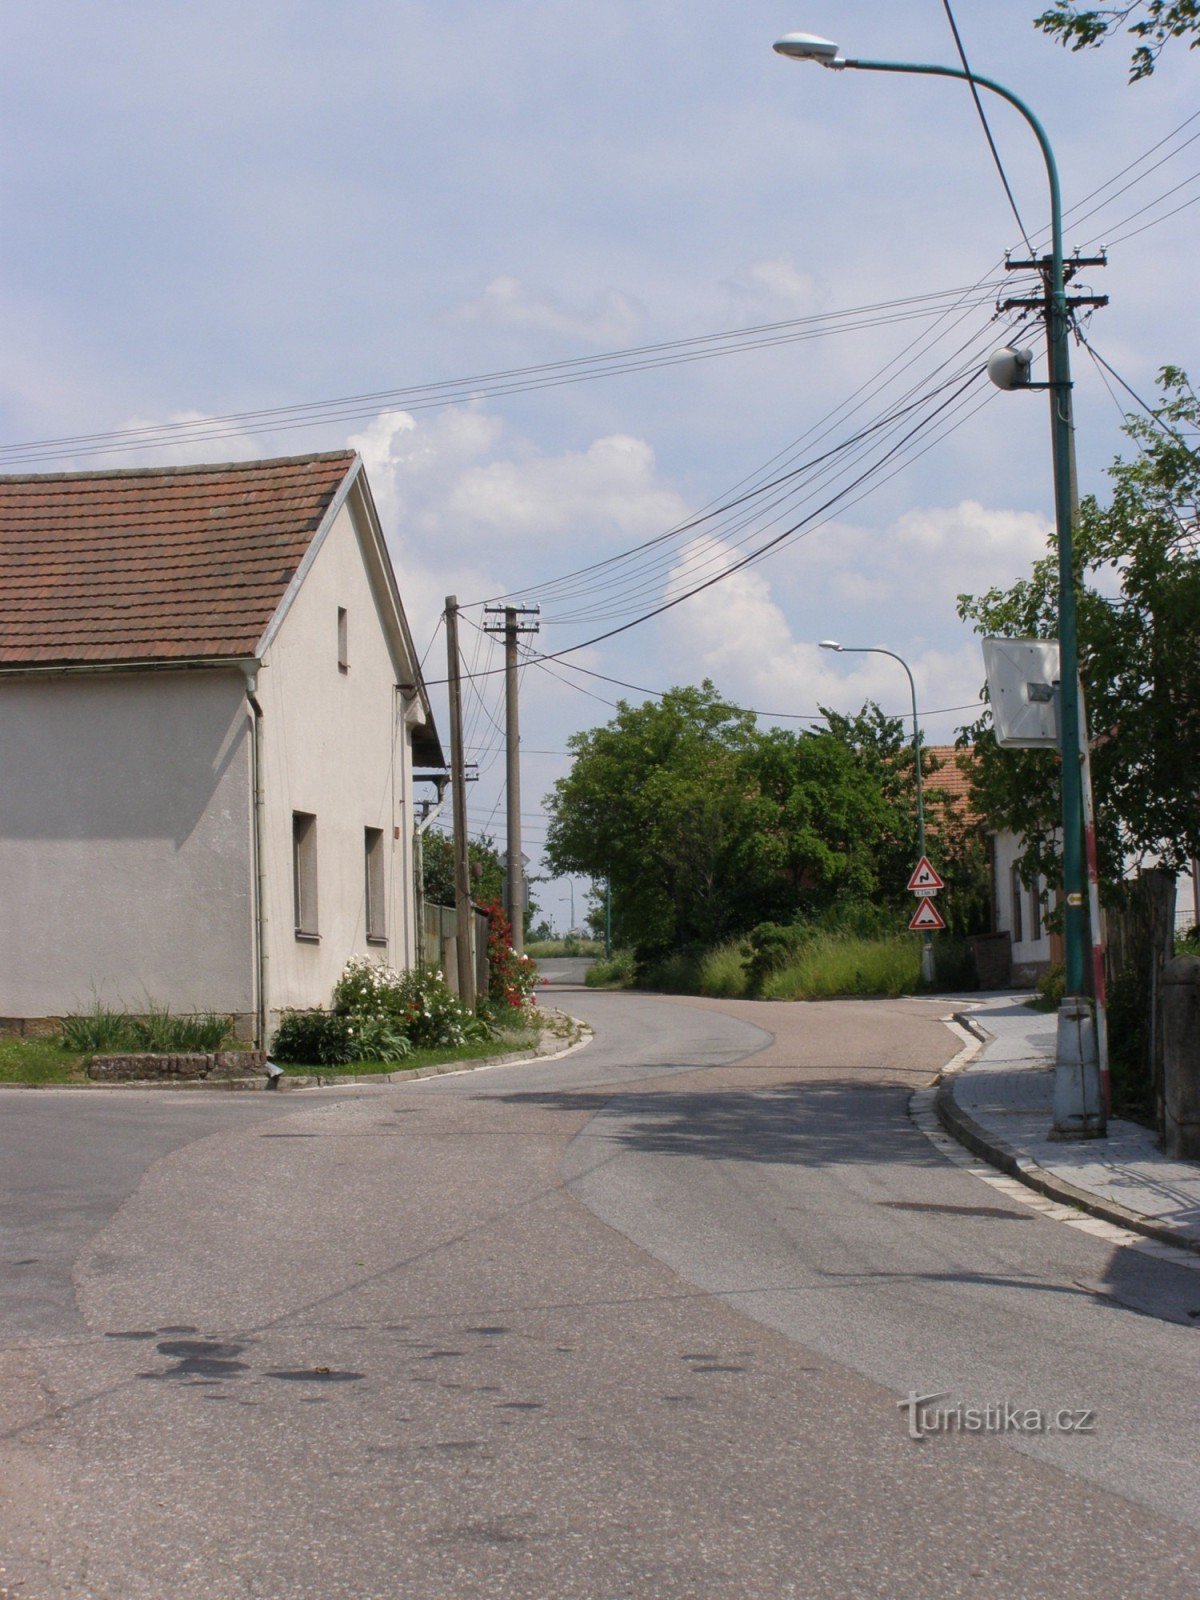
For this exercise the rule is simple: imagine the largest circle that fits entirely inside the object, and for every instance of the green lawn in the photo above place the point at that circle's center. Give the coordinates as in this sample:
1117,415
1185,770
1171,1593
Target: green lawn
512,1039
45,1061
40,1061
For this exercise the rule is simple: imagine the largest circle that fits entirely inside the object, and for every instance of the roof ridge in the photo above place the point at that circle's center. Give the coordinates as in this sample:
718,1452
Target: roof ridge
258,464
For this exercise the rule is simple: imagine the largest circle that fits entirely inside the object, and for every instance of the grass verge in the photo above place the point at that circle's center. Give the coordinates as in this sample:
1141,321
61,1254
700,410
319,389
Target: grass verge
40,1061
478,1050
548,949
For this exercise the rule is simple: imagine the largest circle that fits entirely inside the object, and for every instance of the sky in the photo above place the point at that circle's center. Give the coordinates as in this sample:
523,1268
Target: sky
215,209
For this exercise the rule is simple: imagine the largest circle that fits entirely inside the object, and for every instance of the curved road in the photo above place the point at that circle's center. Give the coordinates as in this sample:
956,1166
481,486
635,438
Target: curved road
634,1323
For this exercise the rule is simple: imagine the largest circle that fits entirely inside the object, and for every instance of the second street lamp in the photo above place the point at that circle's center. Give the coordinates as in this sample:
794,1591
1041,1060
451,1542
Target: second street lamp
1078,1100
877,650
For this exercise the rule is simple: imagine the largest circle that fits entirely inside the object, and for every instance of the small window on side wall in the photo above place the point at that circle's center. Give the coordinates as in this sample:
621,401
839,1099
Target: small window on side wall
343,641
304,873
373,853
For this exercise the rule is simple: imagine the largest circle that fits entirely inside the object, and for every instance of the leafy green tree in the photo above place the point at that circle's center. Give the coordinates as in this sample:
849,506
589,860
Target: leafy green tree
487,870
707,825
1138,563
654,802
1154,23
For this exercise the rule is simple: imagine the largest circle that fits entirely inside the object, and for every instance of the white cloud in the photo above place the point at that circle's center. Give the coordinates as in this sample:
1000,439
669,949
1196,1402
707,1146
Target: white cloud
611,318
776,288
204,439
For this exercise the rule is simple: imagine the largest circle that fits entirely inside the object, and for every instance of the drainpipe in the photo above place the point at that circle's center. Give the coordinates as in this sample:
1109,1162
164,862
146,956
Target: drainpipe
260,869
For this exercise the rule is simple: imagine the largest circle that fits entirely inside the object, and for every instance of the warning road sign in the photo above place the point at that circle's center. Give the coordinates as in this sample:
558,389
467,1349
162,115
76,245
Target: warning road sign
924,879
926,917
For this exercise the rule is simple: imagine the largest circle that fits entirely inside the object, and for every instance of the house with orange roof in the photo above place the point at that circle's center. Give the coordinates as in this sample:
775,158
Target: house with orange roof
210,711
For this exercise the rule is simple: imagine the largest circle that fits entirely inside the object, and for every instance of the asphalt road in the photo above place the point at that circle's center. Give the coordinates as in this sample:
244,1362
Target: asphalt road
634,1323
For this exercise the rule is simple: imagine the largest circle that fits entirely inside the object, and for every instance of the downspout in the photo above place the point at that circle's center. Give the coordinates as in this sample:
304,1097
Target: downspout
260,869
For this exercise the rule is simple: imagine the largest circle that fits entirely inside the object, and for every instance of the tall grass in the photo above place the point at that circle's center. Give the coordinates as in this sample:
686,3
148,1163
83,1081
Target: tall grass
102,1031
842,964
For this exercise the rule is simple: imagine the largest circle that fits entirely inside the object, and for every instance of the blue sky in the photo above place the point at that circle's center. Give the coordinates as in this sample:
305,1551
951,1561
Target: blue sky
214,208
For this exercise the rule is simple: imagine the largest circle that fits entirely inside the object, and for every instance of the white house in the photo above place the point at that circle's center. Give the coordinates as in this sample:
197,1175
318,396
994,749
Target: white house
210,706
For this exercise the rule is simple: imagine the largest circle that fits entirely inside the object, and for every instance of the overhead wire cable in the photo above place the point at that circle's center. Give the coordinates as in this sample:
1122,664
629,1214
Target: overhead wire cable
962,56
569,370
555,590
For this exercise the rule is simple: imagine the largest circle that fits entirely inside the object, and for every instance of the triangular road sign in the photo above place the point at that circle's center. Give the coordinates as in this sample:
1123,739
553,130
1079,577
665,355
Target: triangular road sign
924,879
926,917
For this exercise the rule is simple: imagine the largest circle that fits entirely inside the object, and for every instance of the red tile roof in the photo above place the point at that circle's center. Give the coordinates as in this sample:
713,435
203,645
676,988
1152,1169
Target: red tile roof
951,780
155,564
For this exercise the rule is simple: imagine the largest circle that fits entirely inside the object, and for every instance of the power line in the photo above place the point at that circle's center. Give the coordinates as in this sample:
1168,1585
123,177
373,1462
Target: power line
962,56
519,380
770,544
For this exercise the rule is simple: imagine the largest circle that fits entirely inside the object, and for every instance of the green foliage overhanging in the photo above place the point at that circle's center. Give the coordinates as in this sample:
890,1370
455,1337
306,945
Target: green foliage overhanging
1138,595
1154,23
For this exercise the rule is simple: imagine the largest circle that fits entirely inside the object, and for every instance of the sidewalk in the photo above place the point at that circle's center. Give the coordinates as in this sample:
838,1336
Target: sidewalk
1000,1107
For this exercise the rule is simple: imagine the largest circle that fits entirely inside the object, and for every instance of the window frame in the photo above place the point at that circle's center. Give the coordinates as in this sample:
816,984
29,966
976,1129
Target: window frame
375,886
305,900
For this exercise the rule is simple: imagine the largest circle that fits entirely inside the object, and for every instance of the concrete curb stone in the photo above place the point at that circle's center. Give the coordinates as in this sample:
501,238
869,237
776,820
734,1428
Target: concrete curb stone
998,1153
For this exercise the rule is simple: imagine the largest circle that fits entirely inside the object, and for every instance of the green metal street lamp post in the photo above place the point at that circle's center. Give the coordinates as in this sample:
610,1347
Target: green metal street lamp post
877,650
1078,1103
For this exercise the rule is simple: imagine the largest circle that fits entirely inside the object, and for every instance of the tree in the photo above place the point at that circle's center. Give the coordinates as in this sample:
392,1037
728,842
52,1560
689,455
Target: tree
707,826
487,870
1156,23
1138,596
654,803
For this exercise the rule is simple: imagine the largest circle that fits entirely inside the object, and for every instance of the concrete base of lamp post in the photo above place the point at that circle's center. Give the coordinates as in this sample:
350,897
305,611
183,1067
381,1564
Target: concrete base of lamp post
1078,1096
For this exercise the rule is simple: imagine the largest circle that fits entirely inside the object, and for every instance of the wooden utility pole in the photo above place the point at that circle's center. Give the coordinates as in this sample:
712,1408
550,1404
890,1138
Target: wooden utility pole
514,862
465,913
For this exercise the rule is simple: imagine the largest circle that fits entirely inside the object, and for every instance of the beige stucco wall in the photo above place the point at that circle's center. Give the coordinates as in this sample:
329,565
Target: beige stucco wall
125,843
334,746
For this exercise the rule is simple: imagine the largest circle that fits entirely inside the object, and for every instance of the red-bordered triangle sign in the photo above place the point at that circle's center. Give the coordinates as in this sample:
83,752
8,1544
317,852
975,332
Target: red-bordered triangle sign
924,879
926,917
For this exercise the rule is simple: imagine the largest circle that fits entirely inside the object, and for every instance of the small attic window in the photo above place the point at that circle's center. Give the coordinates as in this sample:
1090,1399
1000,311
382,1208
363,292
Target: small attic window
343,641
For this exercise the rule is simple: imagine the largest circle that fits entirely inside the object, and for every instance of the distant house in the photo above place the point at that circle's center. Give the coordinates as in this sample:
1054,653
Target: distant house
210,707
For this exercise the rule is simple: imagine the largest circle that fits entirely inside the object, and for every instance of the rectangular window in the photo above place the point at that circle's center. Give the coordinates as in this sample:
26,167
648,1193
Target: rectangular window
343,641
1035,910
373,852
304,873
1018,890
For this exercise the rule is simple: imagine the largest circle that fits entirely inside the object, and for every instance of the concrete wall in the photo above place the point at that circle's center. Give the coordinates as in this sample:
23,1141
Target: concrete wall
125,843
336,747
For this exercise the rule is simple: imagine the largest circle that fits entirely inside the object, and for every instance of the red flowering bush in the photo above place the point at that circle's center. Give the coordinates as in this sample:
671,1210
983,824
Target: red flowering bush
511,977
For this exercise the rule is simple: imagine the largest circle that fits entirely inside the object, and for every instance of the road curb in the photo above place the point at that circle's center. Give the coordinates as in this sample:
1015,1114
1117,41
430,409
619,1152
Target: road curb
960,1125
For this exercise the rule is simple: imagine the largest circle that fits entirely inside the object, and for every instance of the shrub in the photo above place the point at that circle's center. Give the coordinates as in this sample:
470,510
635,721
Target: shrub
511,977
1051,987
314,1038
771,946
417,1005
608,972
377,1039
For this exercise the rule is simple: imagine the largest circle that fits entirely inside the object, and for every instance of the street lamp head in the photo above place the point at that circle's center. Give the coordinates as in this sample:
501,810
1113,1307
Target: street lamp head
809,47
829,644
